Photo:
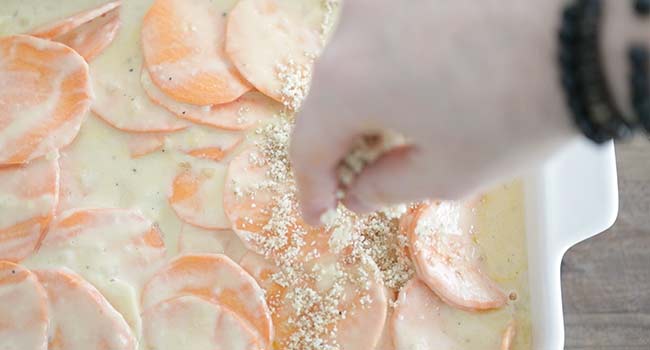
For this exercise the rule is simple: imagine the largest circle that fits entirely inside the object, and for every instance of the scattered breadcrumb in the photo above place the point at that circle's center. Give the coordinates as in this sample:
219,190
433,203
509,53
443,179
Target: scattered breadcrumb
365,250
295,79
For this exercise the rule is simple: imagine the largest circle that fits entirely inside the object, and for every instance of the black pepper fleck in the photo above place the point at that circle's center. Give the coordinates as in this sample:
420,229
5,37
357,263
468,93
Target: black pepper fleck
131,70
13,272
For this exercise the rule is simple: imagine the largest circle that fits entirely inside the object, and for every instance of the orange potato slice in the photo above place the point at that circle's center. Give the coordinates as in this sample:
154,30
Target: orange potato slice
195,196
360,304
66,25
218,279
417,318
249,203
103,244
80,317
183,45
261,269
119,97
23,309
447,259
191,322
273,50
142,144
45,97
194,240
365,304
28,198
243,113
205,143
92,38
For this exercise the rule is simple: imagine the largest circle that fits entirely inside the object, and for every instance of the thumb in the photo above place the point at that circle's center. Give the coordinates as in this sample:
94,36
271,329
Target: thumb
402,175
319,141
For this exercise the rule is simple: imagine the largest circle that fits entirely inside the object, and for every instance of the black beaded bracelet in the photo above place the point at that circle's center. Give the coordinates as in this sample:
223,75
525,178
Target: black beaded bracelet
640,84
582,76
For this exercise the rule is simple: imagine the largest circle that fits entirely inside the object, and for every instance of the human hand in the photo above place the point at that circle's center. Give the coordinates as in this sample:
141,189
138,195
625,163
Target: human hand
472,85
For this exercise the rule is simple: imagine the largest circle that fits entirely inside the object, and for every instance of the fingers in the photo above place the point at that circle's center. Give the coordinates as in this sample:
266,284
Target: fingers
384,182
340,107
403,175
320,140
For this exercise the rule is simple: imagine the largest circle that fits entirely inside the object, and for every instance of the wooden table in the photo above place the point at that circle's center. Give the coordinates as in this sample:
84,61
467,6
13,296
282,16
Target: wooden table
606,280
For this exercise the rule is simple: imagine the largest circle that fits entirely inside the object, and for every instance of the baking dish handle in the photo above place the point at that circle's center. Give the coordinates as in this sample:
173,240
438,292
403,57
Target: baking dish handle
581,193
573,198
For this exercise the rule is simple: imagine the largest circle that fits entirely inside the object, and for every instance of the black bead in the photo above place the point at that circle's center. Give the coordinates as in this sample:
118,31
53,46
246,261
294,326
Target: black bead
571,13
638,55
591,132
643,108
568,34
642,7
577,107
567,61
569,83
639,82
582,78
618,129
600,137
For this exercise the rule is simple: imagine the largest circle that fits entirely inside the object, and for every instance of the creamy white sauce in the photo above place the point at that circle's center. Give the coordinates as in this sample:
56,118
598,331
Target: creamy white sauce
194,240
116,78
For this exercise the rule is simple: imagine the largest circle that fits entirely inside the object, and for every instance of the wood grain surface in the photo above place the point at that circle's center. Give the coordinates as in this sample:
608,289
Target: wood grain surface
606,280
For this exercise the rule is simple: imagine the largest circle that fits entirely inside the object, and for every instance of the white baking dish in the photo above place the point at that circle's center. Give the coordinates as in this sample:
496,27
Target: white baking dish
572,198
